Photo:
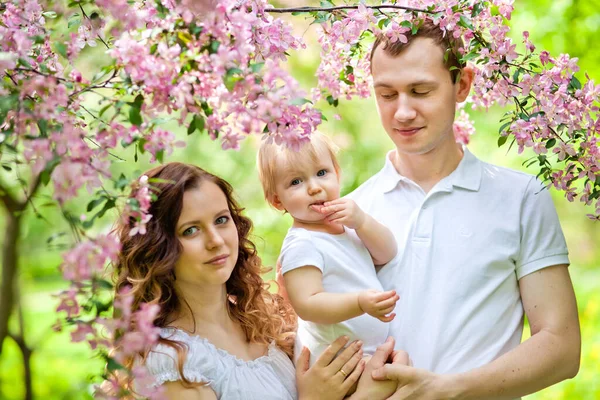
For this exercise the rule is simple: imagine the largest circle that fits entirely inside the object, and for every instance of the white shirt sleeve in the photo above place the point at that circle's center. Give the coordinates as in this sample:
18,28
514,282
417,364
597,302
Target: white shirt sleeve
298,251
162,364
542,240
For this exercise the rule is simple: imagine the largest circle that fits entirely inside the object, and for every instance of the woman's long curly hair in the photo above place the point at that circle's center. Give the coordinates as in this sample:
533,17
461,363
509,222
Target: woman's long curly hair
146,263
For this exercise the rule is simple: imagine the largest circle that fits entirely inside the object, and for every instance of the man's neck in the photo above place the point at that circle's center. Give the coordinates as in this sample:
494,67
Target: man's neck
427,169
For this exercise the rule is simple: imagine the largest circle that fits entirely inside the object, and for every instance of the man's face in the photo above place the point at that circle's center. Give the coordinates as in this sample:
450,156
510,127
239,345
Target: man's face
416,97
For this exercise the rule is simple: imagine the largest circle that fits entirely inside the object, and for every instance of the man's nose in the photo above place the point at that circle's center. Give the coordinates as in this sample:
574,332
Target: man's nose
404,109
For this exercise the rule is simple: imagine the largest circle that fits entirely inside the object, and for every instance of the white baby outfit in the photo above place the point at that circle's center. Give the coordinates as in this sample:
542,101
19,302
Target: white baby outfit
347,266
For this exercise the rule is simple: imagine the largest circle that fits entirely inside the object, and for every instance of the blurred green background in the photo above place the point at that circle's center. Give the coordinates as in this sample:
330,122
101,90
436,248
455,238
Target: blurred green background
65,371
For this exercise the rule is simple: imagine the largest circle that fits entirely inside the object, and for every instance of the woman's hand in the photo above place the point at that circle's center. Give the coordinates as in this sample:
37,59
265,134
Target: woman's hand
330,377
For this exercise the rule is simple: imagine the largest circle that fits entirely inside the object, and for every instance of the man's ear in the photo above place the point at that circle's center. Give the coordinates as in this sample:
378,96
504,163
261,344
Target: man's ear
463,86
275,202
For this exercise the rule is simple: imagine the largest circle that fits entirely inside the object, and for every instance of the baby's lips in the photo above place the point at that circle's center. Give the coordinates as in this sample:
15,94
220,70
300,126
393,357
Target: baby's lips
317,207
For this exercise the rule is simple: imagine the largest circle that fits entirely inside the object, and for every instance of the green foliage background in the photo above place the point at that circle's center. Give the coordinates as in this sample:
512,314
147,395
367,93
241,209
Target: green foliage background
64,371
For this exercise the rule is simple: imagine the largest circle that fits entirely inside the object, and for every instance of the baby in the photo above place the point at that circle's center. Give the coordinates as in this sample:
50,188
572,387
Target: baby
330,254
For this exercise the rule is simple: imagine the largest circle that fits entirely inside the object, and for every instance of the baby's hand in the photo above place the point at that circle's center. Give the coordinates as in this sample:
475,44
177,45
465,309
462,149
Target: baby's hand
343,211
378,304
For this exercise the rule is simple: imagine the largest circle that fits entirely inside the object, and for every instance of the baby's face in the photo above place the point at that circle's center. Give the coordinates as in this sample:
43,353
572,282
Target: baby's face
301,185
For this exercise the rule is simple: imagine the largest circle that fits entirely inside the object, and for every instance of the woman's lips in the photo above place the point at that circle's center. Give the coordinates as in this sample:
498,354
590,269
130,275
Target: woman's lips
220,260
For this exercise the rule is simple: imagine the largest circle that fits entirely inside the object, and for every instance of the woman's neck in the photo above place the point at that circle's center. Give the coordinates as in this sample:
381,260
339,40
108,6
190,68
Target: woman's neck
202,307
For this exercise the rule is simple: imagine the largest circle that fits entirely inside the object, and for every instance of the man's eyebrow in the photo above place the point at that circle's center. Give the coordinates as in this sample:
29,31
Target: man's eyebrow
421,82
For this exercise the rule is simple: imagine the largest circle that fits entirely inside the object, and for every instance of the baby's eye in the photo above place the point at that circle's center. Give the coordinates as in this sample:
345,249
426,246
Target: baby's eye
295,182
222,220
388,96
190,231
322,172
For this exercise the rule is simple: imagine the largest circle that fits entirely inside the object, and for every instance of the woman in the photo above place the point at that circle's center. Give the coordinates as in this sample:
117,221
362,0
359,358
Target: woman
223,334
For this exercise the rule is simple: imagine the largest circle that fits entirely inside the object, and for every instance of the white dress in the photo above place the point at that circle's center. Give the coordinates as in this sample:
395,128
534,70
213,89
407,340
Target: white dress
270,377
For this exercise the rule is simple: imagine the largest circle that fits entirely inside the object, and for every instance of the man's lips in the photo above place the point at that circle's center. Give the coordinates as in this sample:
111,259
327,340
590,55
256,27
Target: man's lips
218,260
408,131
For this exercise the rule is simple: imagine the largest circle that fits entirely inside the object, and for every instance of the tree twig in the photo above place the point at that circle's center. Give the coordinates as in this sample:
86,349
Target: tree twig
311,9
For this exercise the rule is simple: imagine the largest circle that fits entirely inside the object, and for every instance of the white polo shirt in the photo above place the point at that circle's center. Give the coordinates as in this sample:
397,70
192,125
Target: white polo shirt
463,248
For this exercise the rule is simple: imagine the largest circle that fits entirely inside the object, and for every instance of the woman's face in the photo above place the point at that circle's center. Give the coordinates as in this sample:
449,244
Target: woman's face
208,236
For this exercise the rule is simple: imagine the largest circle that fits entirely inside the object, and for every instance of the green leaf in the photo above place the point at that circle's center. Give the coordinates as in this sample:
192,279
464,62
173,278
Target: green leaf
55,236
256,67
299,101
61,49
112,365
575,84
504,126
24,63
140,145
466,23
199,122
332,101
73,20
214,47
160,155
95,203
103,109
550,143
121,183
49,14
135,117
502,140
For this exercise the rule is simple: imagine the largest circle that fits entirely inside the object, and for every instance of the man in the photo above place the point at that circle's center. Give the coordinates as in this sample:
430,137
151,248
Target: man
480,244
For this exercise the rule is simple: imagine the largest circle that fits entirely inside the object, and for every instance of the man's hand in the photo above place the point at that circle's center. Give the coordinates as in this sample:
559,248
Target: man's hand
413,383
369,389
378,304
343,211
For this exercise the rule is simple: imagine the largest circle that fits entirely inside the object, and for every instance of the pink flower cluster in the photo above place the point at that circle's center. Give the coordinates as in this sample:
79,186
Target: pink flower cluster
236,86
139,208
87,260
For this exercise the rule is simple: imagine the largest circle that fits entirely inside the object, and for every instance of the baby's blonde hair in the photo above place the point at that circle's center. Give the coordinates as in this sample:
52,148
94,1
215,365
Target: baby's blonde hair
273,157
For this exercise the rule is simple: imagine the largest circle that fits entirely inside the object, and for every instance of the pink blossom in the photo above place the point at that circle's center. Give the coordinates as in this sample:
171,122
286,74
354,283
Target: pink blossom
68,303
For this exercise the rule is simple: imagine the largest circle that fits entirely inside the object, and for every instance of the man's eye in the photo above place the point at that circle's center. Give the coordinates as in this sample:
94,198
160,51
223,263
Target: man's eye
421,92
295,182
222,220
190,231
322,172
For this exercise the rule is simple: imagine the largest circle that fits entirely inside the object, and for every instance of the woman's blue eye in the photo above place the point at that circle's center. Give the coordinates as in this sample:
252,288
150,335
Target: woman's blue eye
322,172
190,231
295,182
222,220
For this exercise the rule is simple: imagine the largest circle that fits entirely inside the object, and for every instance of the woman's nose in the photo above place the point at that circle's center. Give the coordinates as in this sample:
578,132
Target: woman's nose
214,239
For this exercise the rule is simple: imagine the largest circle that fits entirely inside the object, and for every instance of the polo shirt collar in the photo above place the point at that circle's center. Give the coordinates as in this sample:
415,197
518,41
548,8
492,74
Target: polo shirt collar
467,175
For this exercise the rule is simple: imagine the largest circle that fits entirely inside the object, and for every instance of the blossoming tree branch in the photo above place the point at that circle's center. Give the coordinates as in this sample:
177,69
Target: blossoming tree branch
219,70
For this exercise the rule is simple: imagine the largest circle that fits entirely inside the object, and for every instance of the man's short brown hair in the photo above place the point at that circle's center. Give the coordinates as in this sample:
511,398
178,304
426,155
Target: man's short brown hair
427,29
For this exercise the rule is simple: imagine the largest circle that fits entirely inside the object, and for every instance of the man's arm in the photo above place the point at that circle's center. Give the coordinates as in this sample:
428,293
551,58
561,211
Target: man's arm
549,356
311,302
